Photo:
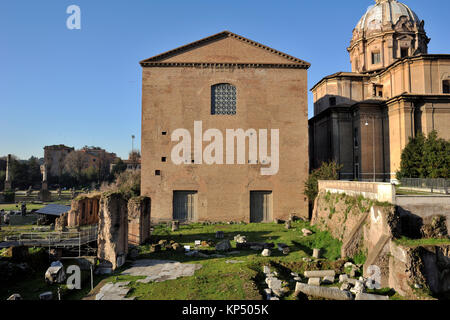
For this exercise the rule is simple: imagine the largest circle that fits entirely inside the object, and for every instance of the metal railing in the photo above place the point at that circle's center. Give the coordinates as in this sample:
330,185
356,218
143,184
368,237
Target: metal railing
57,239
429,185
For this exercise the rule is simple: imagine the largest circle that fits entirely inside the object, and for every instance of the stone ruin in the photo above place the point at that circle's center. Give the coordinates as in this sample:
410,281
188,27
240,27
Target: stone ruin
113,229
121,223
138,220
84,210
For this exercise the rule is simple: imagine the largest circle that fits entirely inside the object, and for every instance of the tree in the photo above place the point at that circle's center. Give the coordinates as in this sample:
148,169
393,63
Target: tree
327,171
119,167
425,157
74,164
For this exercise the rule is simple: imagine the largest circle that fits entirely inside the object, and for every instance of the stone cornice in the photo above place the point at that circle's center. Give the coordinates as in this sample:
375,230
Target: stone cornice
227,65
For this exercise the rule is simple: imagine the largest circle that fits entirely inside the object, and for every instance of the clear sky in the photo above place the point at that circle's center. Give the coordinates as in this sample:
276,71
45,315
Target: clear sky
83,87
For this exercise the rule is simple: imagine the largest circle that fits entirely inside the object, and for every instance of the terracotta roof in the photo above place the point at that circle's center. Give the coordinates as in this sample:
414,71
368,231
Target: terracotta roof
222,35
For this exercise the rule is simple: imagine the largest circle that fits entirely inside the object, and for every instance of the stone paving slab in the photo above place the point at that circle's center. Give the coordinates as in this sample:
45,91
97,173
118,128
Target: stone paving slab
161,270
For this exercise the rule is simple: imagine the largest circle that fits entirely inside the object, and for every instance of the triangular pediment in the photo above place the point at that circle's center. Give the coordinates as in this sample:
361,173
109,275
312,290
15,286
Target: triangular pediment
225,47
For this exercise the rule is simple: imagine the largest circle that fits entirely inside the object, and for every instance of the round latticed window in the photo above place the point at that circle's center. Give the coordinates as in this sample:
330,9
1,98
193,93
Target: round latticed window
223,99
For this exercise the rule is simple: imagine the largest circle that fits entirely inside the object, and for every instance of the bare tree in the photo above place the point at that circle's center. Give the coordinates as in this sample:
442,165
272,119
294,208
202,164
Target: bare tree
74,164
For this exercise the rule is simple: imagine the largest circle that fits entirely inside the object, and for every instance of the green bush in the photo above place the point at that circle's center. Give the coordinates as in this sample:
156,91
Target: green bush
327,171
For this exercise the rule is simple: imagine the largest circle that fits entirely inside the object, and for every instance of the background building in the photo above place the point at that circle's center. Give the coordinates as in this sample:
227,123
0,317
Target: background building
363,119
227,82
54,157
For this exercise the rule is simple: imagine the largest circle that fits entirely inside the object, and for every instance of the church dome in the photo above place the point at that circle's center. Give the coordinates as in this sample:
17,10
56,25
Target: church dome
387,32
385,14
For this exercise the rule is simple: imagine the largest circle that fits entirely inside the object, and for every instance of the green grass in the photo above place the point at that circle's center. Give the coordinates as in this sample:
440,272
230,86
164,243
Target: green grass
16,207
421,242
218,280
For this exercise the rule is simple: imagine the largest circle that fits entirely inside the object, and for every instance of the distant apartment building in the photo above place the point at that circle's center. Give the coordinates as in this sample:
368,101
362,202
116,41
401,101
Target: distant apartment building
54,157
96,157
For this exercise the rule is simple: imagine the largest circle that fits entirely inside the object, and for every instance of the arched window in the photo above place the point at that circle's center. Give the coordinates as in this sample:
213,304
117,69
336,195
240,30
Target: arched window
223,99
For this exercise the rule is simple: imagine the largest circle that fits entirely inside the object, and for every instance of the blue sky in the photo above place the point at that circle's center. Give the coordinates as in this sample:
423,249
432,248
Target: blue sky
83,87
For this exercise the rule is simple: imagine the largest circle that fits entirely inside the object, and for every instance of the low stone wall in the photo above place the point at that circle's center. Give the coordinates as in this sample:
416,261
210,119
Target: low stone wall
84,211
382,192
138,220
421,268
416,210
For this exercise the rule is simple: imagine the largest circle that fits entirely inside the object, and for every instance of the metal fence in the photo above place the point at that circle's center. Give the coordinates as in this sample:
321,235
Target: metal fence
431,185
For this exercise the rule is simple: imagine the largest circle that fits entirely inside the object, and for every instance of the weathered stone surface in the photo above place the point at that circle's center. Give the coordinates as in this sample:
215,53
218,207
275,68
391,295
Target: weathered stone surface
240,239
274,284
328,280
161,270
343,278
345,286
113,229
319,273
323,292
224,245
139,220
266,253
175,225
367,296
358,287
84,211
314,281
266,269
316,253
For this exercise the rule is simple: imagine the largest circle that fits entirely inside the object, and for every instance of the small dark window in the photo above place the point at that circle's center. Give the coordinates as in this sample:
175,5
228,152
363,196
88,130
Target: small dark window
355,138
376,57
404,52
163,159
332,101
446,86
164,133
157,172
380,93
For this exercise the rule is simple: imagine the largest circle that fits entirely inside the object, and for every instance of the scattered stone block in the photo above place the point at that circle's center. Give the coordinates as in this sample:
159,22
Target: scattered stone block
316,253
328,280
345,286
306,232
343,278
323,292
274,284
240,239
319,273
287,225
175,225
224,245
358,287
367,296
15,296
314,281
305,259
266,253
266,269
297,279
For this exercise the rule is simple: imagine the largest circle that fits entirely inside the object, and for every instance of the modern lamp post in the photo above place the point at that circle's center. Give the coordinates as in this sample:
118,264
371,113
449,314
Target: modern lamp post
373,145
